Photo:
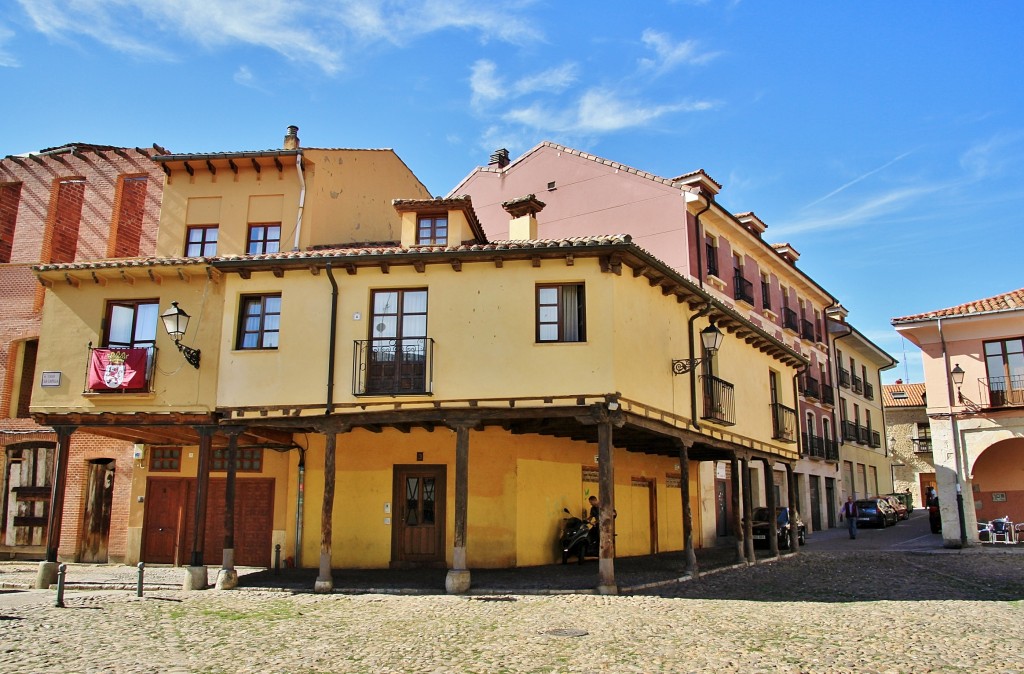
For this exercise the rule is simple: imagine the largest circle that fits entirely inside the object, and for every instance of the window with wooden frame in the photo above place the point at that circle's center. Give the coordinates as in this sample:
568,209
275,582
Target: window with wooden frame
264,237
432,230
711,248
561,313
10,198
1004,365
247,460
165,459
259,322
131,324
201,241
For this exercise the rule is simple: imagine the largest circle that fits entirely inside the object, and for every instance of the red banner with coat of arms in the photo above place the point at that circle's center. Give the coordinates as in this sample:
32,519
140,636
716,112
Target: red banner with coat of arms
117,369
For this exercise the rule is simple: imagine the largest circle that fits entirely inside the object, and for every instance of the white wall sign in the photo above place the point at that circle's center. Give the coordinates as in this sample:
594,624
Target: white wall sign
50,379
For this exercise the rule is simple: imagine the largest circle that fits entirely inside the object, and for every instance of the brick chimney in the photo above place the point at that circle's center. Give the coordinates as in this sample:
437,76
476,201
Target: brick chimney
524,210
499,158
291,139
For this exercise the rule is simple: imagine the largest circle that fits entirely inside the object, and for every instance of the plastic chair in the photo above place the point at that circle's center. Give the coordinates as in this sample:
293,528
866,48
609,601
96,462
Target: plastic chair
1002,531
1018,532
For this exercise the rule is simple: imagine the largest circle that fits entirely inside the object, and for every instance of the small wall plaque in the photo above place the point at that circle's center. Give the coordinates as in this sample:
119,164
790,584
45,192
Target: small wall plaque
999,497
50,379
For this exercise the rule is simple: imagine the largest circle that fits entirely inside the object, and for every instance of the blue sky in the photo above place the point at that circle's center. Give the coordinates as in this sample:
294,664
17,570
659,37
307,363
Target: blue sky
883,140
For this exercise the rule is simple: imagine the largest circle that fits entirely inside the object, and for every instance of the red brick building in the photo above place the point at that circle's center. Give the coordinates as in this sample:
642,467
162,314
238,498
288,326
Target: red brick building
69,203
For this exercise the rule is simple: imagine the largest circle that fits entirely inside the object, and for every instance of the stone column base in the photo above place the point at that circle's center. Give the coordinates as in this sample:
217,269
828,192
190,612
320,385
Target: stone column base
196,578
227,579
323,585
457,581
607,589
46,575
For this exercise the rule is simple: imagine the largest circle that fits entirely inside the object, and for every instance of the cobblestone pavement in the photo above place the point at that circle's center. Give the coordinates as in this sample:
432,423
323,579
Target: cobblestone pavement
844,611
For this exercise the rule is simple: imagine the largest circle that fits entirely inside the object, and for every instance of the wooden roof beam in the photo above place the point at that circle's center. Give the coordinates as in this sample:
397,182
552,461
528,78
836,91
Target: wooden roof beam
233,166
191,171
210,167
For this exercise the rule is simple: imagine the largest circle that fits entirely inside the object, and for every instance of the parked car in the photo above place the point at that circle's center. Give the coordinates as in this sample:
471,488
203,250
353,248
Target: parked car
876,512
901,510
761,527
906,498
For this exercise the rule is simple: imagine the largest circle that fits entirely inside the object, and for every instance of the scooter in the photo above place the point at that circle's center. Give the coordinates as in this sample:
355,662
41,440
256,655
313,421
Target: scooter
579,539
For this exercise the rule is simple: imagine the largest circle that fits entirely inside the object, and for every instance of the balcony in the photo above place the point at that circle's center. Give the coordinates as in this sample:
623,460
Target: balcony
814,445
809,388
743,289
120,370
789,320
869,391
849,431
922,445
876,439
1002,391
807,329
858,384
393,366
719,400
828,396
831,449
783,423
844,378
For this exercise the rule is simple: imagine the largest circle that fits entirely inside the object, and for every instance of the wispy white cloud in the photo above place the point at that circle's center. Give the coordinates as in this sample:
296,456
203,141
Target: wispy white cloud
487,86
245,77
604,110
7,60
871,210
671,54
304,31
858,179
990,157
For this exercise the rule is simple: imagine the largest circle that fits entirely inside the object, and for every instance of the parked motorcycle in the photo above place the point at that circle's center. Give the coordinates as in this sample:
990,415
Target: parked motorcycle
579,539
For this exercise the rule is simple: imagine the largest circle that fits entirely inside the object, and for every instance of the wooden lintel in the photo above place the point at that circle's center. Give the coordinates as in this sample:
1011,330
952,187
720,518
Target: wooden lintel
277,163
569,260
210,167
245,273
154,278
233,166
350,269
278,272
256,165
498,262
456,264
98,280
314,270
419,265
191,171
535,260
72,281
385,267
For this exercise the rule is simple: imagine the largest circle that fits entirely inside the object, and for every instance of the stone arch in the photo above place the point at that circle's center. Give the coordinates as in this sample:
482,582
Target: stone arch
997,480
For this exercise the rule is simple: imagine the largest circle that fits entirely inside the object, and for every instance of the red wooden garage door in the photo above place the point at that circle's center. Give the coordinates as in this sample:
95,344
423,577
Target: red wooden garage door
254,521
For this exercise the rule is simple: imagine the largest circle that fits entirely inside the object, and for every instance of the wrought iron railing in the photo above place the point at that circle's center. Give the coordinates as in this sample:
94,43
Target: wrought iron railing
869,391
863,436
876,439
789,319
831,449
814,445
809,387
393,366
849,431
844,378
1002,391
719,400
120,369
922,445
858,384
742,288
783,423
828,395
807,329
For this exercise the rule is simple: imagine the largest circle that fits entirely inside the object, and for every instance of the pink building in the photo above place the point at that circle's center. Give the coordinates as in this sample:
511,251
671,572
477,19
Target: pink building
973,357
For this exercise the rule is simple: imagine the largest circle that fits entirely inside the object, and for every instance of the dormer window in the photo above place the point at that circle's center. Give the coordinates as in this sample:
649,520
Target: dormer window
432,230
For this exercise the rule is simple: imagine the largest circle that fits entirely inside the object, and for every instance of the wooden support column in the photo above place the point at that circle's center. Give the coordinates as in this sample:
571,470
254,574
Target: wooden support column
737,518
794,533
325,581
47,573
227,577
196,577
606,495
458,579
748,510
769,487
684,484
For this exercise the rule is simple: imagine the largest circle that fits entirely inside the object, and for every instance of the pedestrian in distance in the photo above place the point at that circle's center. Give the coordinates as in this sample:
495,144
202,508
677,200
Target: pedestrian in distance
849,511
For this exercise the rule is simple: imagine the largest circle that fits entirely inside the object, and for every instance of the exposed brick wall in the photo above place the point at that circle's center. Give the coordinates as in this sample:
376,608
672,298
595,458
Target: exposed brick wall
100,216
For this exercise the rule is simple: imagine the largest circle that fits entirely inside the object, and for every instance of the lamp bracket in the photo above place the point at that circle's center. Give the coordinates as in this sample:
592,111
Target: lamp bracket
191,355
685,365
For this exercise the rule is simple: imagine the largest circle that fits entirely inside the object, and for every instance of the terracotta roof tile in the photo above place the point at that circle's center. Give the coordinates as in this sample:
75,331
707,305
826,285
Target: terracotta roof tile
1011,301
915,395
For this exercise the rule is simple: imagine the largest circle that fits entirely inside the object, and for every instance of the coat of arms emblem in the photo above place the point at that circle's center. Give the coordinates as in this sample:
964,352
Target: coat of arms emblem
114,372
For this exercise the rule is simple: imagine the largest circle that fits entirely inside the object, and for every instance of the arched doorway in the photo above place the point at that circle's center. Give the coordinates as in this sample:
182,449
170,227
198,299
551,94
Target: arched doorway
998,481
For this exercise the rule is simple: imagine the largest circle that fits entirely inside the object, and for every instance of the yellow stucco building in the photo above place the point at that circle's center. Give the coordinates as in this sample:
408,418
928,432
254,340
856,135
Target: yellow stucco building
365,381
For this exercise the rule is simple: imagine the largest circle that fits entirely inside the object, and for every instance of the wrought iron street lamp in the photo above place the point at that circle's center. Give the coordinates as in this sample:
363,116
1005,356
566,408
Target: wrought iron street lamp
176,322
956,376
711,339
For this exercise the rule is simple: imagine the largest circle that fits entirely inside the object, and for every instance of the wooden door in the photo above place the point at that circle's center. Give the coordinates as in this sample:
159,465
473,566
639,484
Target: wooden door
163,528
815,489
418,526
99,497
645,520
927,480
254,519
830,501
27,493
722,507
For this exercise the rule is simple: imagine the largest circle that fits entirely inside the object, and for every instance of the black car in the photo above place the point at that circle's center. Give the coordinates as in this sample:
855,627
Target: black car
761,527
876,512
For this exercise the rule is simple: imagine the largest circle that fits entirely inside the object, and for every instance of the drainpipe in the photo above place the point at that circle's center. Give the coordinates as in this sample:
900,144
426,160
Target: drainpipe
954,428
693,371
299,500
302,198
796,401
333,346
837,428
700,243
